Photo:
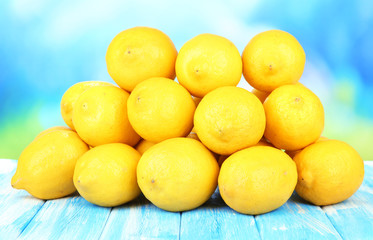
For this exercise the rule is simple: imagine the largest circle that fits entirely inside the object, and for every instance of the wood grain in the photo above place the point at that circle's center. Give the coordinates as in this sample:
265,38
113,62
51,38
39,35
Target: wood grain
141,220
215,220
26,217
17,207
296,219
353,218
67,218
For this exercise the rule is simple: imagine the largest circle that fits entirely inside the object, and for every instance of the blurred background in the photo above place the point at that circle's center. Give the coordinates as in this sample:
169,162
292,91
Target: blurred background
46,46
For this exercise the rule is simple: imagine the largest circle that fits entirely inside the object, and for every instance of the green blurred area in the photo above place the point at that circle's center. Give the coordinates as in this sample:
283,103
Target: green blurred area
17,131
342,122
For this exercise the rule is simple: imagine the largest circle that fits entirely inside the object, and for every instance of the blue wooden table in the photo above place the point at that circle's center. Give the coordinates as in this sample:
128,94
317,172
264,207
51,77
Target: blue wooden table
25,217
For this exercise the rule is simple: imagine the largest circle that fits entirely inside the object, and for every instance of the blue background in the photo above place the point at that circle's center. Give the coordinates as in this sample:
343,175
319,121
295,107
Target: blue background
46,46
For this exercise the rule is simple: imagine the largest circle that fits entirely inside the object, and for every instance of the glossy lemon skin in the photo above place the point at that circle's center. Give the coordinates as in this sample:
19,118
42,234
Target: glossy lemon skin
207,62
71,96
46,166
159,109
139,53
257,179
271,59
229,119
106,175
329,172
295,117
100,117
178,174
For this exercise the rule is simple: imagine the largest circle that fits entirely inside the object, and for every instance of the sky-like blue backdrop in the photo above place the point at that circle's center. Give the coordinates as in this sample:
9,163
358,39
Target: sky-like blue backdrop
46,46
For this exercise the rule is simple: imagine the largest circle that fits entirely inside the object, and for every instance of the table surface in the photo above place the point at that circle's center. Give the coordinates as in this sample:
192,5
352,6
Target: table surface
25,217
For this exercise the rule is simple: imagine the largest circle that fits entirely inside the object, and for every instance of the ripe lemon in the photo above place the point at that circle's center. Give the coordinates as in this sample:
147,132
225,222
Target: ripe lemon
207,62
106,175
328,172
262,142
139,53
159,109
71,95
292,153
46,166
229,119
272,59
257,180
51,130
177,174
295,117
144,145
262,96
100,117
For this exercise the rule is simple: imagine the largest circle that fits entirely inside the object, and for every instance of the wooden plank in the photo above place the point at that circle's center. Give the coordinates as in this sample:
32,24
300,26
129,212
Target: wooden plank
353,218
296,219
141,220
215,220
74,218
67,218
17,207
7,169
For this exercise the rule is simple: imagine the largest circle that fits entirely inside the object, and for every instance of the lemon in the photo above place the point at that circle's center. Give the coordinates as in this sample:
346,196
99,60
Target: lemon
329,172
207,62
159,109
229,119
262,142
293,153
46,166
257,180
51,130
71,95
144,145
106,175
139,53
177,174
100,117
295,117
272,59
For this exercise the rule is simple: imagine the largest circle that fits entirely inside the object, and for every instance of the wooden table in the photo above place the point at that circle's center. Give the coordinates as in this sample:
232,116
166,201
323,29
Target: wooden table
25,217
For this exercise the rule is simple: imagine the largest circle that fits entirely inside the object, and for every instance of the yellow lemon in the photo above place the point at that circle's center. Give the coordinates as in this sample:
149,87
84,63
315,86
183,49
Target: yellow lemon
295,117
106,175
71,95
177,174
272,59
46,166
100,117
207,62
144,145
257,180
328,172
159,109
293,153
51,130
139,53
229,119
262,142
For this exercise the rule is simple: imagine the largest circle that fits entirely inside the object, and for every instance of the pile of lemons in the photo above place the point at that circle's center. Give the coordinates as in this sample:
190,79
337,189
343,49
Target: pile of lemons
177,141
